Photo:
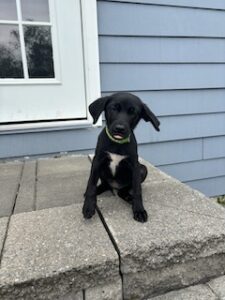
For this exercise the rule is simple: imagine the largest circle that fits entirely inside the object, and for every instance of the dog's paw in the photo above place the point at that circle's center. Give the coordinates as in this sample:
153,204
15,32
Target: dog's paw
88,211
141,216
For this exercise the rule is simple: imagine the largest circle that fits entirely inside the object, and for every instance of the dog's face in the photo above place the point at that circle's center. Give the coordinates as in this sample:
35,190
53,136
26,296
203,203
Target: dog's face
123,111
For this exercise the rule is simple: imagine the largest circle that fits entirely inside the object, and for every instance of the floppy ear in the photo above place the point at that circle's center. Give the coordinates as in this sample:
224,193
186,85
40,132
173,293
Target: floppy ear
97,107
148,116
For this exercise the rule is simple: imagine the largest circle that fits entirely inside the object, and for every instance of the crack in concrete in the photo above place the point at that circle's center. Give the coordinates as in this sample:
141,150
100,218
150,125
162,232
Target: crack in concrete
35,185
114,244
209,287
11,213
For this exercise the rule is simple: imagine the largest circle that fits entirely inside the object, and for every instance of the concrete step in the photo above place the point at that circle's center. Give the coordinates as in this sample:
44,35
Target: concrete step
53,253
212,290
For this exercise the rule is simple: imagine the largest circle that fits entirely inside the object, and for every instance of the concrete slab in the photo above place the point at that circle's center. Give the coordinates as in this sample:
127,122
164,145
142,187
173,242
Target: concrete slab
66,165
173,193
73,296
154,174
61,181
9,183
198,292
3,228
50,253
140,285
25,200
171,237
166,229
10,170
218,287
112,291
165,190
52,192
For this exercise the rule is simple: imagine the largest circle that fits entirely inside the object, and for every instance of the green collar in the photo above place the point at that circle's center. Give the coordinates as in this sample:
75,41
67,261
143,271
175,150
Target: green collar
123,141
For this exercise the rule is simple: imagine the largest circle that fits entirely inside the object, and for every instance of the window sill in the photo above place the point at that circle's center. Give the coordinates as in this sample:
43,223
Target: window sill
47,126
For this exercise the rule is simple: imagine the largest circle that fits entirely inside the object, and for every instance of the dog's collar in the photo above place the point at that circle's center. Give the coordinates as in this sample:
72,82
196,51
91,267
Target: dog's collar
123,141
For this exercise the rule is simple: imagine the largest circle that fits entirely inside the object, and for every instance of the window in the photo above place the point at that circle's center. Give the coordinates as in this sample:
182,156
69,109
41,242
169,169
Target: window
25,39
49,67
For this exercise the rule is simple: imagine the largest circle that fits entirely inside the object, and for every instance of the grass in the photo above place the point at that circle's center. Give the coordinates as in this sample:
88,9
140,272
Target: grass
221,199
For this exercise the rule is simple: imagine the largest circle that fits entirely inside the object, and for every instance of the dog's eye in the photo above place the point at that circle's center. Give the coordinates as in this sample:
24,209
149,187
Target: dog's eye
131,110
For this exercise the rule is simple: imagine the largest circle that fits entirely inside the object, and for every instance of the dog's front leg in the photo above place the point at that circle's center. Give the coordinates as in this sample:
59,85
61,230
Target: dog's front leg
91,191
139,212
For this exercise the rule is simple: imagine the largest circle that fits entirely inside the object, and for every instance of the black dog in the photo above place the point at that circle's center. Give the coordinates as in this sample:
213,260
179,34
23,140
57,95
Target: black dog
116,159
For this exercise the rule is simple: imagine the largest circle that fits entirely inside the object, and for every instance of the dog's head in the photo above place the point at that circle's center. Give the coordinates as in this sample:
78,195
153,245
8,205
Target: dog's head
123,111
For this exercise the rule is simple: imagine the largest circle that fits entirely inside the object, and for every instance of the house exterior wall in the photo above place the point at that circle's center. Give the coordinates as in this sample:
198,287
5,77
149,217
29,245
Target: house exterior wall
172,55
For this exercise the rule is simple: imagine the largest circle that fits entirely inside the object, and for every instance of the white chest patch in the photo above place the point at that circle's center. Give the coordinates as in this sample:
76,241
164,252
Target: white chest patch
115,160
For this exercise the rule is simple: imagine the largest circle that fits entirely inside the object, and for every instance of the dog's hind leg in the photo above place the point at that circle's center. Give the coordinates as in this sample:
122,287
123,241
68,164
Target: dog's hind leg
102,187
125,194
144,172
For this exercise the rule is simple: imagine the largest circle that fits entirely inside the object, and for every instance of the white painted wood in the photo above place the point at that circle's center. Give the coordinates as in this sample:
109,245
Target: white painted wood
43,126
77,84
22,42
91,53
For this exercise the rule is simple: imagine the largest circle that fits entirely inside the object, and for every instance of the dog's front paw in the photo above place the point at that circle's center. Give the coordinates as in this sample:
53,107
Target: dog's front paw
140,215
88,210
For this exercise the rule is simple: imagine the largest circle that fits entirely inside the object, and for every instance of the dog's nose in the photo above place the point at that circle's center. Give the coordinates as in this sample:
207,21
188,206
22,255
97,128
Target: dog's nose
120,128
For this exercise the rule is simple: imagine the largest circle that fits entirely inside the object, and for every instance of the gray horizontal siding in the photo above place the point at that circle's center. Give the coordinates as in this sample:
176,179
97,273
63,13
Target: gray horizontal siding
204,4
134,77
26,144
196,170
214,147
211,186
165,153
117,49
183,102
147,20
182,127
172,56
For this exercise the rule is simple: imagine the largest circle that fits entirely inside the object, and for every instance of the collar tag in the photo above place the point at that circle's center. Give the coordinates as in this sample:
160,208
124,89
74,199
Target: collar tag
123,141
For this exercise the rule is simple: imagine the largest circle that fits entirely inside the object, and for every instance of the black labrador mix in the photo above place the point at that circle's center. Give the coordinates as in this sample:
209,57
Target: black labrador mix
116,159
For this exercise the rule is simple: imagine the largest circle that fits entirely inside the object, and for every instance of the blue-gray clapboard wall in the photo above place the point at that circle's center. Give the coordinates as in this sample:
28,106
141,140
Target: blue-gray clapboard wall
171,53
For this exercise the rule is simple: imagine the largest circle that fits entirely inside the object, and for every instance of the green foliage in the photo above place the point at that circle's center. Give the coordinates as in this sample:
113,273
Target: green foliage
221,200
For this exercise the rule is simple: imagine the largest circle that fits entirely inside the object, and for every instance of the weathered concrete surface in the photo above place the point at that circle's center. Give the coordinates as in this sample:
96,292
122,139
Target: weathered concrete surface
111,291
172,234
153,282
56,254
154,174
3,228
9,182
198,292
50,253
167,191
61,181
73,296
218,287
179,245
25,201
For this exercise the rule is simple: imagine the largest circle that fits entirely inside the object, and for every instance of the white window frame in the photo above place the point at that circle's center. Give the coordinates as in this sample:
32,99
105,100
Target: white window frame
20,23
92,74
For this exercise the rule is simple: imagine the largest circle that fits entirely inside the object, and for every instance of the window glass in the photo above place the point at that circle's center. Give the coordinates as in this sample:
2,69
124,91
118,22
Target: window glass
8,10
35,10
38,45
10,52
